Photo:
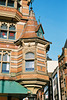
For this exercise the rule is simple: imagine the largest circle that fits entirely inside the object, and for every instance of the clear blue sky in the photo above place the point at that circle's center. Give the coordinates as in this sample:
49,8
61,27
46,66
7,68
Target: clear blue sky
54,21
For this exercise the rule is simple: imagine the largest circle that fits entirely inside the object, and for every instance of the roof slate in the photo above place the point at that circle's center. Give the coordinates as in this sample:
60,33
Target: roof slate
31,27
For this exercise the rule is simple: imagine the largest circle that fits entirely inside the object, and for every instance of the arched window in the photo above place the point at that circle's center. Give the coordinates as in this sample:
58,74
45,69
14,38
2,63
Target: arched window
7,32
4,26
12,32
5,61
12,27
6,57
3,33
29,61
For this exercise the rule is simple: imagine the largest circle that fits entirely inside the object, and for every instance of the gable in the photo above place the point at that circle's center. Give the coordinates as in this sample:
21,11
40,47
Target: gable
40,32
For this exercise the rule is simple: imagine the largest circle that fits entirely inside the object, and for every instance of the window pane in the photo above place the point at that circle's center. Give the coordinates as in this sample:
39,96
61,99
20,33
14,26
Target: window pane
18,7
12,35
3,34
12,27
29,55
6,57
10,3
2,2
4,26
0,57
39,34
4,51
5,67
29,65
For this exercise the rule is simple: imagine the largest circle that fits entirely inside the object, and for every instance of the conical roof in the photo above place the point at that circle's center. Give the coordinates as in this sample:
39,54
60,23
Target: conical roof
30,27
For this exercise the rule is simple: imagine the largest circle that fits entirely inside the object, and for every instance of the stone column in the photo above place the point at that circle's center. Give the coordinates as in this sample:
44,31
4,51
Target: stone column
15,4
6,2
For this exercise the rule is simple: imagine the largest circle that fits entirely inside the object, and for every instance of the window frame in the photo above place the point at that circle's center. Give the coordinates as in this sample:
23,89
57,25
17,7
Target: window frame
14,1
9,3
29,60
8,31
4,4
40,32
7,62
2,29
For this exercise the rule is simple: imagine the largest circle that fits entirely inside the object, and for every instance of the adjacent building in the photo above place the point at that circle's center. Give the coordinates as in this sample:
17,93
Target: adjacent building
62,60
51,66
56,84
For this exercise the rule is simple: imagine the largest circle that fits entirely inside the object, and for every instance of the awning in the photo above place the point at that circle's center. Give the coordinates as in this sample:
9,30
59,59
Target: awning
12,87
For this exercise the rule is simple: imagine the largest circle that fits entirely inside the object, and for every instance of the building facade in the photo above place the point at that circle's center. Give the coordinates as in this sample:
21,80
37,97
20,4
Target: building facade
23,47
56,84
62,60
51,66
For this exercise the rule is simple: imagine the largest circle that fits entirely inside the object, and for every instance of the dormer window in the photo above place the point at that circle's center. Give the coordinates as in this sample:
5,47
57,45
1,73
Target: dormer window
39,31
40,34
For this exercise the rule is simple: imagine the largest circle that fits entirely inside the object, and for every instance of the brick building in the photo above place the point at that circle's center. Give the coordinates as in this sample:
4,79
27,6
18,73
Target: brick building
62,60
23,50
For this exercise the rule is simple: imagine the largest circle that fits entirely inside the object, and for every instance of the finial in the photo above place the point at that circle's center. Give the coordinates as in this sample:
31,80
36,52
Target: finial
39,20
31,4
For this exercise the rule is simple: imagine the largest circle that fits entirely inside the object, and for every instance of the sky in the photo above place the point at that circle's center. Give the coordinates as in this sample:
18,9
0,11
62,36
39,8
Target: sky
53,17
